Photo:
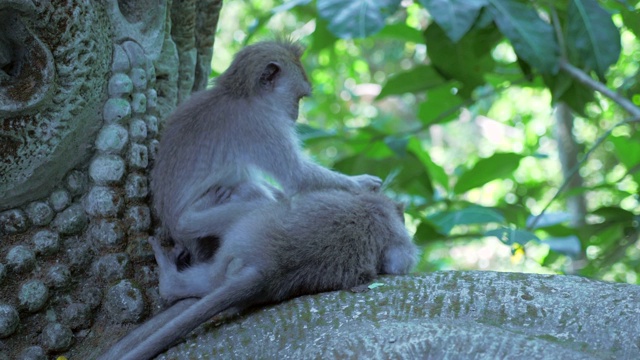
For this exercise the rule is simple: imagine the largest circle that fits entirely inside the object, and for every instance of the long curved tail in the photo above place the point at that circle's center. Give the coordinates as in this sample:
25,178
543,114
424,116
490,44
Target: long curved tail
164,329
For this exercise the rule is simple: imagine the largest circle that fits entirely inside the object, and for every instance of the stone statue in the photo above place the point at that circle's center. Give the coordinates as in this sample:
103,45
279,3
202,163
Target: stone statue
84,88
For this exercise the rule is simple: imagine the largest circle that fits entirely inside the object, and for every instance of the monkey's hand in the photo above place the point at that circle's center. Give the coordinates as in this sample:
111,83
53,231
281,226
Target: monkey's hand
166,268
368,182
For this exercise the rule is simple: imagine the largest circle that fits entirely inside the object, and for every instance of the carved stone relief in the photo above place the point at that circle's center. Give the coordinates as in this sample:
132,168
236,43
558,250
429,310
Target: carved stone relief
84,88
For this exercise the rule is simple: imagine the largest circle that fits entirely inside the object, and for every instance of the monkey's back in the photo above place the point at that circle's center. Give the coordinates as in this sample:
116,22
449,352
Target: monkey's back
196,150
326,241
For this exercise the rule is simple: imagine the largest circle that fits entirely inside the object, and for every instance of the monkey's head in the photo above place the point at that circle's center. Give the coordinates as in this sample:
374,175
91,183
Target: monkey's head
271,70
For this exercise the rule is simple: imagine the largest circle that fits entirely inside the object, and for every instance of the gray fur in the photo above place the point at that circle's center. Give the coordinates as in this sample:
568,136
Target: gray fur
318,241
216,144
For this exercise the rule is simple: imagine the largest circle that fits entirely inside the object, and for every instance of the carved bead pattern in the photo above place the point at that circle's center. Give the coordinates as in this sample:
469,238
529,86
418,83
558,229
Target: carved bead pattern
73,245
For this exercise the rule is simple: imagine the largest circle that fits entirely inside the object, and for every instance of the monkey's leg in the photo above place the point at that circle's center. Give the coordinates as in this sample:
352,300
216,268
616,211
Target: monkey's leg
173,284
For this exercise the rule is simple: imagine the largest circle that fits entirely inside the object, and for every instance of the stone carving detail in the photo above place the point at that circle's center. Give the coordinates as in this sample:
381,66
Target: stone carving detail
84,89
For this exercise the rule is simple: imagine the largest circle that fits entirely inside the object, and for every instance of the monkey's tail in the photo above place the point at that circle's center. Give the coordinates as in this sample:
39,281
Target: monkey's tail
236,292
132,339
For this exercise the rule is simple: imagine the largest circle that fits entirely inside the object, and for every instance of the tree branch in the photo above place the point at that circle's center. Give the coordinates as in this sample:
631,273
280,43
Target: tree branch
577,166
586,80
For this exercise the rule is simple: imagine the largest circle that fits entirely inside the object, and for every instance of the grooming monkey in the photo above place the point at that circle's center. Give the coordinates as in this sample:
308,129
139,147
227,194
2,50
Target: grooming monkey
314,242
207,170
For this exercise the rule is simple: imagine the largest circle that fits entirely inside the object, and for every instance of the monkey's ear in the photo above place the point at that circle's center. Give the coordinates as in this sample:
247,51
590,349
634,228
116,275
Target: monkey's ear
269,73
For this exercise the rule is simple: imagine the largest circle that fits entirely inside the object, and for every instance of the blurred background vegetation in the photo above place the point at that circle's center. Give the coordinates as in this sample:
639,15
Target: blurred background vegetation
482,116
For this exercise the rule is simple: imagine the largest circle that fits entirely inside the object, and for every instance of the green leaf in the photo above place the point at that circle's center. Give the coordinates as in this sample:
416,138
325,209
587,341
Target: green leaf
321,37
375,285
420,78
631,21
287,6
436,171
412,177
441,105
549,219
401,31
592,38
307,132
356,18
426,233
532,38
569,245
628,151
397,144
565,89
468,60
455,17
474,214
614,214
512,236
498,166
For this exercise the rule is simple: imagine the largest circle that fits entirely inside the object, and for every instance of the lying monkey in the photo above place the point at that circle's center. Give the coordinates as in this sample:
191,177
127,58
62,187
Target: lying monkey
314,242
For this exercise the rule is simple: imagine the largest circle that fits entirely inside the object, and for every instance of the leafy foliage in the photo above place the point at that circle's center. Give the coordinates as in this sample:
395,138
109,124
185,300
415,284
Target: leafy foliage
452,101
356,18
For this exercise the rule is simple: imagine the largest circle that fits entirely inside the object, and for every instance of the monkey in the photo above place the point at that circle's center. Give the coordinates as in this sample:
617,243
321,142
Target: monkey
215,146
313,242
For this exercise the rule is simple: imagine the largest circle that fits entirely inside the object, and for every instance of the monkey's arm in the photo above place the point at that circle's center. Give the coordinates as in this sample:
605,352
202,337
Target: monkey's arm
319,177
298,173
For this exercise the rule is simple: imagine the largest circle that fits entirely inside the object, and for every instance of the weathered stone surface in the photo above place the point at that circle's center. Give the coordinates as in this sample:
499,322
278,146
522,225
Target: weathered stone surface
33,353
58,276
56,337
107,232
49,107
124,302
136,186
138,218
21,259
138,130
90,84
70,221
60,199
92,296
13,221
76,182
40,213
107,169
458,315
120,84
3,272
112,139
111,267
116,110
9,320
78,254
103,201
33,295
138,156
76,316
46,242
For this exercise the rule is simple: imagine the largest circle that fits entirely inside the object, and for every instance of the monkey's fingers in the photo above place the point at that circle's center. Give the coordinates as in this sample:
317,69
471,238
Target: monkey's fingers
368,182
161,257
